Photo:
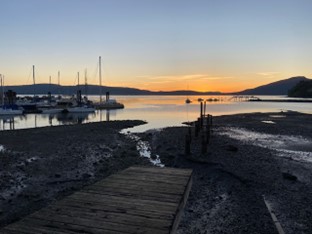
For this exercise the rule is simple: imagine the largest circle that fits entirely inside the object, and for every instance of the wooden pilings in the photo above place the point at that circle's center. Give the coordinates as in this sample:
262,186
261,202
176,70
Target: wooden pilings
201,128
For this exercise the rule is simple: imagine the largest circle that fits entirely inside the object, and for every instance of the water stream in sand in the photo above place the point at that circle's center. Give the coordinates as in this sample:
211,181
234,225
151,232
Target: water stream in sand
143,147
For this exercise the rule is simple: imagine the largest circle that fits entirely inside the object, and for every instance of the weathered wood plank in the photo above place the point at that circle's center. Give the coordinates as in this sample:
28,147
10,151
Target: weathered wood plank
35,226
144,195
101,216
115,208
99,224
157,170
181,206
136,200
148,178
155,187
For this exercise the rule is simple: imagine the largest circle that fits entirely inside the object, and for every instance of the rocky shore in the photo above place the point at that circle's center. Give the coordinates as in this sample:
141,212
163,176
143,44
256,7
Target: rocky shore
251,158
40,165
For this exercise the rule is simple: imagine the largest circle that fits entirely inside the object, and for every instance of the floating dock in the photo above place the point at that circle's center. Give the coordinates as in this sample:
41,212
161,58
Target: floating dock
136,200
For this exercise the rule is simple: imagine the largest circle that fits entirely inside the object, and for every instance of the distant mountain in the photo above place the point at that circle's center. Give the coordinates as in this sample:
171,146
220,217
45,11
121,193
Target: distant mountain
41,89
302,89
277,88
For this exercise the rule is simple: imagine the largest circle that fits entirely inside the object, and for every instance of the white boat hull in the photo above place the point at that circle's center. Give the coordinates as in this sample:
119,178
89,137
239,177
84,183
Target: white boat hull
10,112
52,111
81,110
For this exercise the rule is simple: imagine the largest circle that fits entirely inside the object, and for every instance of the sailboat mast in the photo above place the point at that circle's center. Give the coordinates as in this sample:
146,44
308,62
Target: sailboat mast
34,81
86,83
58,81
100,75
2,85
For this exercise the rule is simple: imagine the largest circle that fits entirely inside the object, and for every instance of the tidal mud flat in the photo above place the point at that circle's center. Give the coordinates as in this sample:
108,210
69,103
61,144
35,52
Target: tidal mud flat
251,158
38,166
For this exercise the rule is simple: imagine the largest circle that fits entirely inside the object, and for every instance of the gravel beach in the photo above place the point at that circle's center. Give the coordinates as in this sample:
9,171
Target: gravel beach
251,158
38,166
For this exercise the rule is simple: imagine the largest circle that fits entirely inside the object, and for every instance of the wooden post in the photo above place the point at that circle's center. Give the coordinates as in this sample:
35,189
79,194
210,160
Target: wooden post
187,145
190,133
207,134
203,144
201,109
196,128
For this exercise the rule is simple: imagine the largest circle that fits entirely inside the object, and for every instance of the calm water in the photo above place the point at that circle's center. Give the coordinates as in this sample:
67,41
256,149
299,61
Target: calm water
158,111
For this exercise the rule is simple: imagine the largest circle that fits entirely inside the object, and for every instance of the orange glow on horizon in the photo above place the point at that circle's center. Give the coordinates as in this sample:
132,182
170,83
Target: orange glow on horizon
200,82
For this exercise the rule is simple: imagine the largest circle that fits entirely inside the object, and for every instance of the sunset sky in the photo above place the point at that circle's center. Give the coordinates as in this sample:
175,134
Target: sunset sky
204,45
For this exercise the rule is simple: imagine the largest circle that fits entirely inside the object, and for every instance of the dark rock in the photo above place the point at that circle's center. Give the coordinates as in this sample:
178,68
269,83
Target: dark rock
289,176
231,148
57,175
86,175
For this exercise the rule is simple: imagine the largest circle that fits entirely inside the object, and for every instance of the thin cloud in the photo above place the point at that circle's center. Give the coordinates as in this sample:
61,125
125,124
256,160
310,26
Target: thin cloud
217,77
268,74
167,79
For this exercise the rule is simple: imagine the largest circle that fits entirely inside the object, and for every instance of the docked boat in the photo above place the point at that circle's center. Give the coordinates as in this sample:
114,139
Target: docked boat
8,106
188,101
108,103
10,110
80,105
81,109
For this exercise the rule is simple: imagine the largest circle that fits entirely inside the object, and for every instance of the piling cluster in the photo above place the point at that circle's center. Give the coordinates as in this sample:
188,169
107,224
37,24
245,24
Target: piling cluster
201,130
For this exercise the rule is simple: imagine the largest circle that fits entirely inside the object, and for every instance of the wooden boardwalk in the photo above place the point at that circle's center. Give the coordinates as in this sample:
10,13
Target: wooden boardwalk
136,200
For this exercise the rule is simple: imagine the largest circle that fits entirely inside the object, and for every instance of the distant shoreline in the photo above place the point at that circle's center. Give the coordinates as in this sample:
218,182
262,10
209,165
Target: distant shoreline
279,100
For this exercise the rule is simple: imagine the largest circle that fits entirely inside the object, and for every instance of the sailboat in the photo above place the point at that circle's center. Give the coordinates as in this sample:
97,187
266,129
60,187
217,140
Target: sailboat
188,101
10,108
108,103
29,105
49,106
82,105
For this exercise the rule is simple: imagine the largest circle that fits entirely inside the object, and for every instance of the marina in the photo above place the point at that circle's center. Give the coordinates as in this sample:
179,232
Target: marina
157,111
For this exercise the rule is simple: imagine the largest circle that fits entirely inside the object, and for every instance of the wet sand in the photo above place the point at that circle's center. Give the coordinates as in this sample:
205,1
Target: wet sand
250,157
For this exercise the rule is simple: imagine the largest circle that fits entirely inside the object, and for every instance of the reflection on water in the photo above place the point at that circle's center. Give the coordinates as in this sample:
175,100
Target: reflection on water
158,111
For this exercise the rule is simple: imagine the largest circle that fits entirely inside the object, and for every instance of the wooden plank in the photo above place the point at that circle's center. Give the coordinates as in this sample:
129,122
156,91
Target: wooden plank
99,224
181,206
115,208
144,195
35,226
101,216
126,206
152,178
164,170
136,200
156,186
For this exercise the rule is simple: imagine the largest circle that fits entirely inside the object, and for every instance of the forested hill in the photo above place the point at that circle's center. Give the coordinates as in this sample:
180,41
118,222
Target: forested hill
276,88
302,89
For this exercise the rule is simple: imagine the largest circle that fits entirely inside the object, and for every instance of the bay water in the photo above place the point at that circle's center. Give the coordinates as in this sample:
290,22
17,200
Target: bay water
157,111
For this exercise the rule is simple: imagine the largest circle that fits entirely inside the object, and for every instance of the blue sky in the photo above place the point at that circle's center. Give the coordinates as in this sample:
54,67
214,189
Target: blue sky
158,45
